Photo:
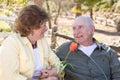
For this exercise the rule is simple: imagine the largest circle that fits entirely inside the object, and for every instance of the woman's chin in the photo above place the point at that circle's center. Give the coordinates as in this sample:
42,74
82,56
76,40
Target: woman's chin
41,36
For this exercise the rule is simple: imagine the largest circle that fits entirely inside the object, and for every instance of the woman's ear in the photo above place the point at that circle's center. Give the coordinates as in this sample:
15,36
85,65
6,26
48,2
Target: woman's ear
32,31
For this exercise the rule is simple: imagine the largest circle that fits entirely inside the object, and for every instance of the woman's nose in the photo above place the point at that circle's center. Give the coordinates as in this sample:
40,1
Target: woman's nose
46,28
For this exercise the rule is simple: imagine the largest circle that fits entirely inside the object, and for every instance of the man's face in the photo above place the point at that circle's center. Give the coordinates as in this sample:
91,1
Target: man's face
83,33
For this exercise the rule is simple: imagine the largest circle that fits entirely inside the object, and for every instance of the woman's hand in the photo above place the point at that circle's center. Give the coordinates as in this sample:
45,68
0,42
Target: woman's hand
48,73
52,71
44,74
29,79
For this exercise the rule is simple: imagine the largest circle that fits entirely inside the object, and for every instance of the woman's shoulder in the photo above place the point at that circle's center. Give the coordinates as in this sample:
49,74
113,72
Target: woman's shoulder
12,38
12,35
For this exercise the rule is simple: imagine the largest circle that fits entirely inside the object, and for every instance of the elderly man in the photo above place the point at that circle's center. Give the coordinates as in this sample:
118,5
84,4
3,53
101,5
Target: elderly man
92,60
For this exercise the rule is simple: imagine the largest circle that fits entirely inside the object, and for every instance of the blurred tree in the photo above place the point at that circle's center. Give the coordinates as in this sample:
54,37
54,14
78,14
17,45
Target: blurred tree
48,10
1,1
100,4
89,4
39,2
77,9
117,6
58,2
13,4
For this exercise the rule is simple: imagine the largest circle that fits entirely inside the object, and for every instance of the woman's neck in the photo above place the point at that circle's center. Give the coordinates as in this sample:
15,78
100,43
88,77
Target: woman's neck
34,45
32,41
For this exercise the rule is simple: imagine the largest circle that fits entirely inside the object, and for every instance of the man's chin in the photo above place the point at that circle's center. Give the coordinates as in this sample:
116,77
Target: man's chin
78,40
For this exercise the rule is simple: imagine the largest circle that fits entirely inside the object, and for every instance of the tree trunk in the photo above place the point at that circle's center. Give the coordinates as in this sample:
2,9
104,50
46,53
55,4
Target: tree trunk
91,13
58,13
78,7
48,9
53,37
39,2
8,2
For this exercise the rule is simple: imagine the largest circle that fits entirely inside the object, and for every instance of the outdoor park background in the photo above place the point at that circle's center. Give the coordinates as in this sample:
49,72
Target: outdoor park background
105,13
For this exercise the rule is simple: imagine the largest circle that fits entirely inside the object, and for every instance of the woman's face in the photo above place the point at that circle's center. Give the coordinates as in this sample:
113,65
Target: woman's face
39,33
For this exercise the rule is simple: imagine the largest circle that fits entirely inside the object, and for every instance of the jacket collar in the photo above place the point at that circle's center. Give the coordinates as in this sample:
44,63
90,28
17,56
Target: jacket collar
23,39
100,46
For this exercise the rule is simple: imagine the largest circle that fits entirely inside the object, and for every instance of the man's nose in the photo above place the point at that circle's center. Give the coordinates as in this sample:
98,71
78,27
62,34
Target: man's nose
76,32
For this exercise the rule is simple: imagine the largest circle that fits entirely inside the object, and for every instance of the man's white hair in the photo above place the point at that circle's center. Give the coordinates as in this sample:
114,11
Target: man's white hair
83,20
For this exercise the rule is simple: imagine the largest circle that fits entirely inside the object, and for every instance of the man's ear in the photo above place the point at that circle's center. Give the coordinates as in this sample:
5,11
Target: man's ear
93,29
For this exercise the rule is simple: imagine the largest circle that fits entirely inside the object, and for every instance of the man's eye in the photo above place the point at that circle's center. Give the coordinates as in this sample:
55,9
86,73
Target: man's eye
79,27
73,28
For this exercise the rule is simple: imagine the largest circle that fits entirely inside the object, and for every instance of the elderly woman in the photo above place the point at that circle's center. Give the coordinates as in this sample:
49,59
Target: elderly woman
25,55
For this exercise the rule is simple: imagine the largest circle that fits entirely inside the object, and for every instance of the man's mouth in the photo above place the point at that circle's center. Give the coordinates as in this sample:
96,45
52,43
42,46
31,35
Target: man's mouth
80,36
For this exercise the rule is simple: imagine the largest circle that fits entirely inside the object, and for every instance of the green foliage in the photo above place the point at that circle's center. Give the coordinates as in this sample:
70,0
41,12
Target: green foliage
4,27
60,67
65,31
80,1
97,4
117,6
91,3
12,4
88,3
1,1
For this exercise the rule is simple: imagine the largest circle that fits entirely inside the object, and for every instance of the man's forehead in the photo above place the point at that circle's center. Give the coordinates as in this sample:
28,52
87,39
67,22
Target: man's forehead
79,21
83,21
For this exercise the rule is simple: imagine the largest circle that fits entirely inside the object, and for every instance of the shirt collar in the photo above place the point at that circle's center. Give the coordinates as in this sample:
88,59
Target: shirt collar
99,45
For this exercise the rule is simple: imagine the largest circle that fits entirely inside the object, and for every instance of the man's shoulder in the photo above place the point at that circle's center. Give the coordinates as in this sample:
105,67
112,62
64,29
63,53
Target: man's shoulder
101,45
104,46
65,45
62,50
107,48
